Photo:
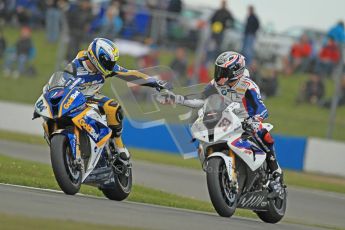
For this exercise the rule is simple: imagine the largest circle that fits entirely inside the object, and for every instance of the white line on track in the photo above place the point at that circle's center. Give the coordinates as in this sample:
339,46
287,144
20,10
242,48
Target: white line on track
102,198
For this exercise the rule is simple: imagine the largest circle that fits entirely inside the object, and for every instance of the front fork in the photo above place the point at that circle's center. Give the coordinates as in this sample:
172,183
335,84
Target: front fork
78,161
229,159
233,180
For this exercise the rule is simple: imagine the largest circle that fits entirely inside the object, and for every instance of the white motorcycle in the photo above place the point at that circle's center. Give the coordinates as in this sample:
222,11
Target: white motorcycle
235,163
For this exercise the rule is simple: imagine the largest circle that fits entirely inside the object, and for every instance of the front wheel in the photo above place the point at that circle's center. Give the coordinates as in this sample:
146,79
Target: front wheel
123,183
224,200
67,174
276,209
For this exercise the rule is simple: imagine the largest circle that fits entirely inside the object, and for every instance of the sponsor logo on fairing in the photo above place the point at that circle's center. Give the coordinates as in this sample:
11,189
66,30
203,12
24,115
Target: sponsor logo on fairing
88,128
71,99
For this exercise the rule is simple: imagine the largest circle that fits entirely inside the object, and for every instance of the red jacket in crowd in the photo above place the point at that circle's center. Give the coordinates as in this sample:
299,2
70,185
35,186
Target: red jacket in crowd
330,52
301,50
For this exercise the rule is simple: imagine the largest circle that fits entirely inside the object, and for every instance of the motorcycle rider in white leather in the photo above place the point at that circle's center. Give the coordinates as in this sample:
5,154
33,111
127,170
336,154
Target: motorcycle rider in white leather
232,80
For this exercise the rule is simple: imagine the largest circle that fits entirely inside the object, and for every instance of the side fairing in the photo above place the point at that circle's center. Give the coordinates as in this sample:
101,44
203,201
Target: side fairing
98,132
71,101
42,107
199,130
247,151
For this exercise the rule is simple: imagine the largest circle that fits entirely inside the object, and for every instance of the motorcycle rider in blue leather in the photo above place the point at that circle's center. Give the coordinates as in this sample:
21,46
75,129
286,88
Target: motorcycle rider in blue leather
96,64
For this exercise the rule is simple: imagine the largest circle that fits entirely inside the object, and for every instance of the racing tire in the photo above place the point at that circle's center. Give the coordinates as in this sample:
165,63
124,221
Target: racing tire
67,176
224,206
276,209
122,188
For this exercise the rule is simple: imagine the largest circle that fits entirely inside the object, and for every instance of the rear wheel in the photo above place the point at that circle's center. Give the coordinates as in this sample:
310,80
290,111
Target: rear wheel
123,183
276,209
66,172
223,198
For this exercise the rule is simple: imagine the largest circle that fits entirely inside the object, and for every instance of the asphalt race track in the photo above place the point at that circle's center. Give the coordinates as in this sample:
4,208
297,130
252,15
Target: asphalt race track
50,204
309,206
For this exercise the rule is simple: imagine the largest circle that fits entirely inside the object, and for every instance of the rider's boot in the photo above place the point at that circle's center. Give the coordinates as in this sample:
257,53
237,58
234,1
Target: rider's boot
271,159
276,184
121,149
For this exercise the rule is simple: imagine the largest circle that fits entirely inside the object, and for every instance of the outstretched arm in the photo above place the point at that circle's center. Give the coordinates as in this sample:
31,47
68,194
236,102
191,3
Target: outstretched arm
138,78
192,101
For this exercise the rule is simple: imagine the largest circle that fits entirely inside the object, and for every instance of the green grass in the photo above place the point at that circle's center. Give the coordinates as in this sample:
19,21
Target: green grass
19,222
288,118
302,120
293,178
28,173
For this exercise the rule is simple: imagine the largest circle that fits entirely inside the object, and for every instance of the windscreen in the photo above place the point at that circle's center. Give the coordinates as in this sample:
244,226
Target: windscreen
59,79
213,109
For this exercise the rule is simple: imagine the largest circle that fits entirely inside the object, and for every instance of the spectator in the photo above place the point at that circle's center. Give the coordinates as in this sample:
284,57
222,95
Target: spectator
7,10
300,55
128,17
337,32
23,13
19,55
328,58
266,80
78,18
312,91
269,84
53,20
30,12
220,20
112,22
174,7
179,64
252,27
2,44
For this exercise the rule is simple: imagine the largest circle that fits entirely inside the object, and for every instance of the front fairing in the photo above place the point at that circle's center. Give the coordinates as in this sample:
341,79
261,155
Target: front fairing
221,129
60,102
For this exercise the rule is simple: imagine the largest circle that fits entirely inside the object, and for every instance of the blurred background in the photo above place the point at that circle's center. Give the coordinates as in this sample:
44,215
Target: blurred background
294,53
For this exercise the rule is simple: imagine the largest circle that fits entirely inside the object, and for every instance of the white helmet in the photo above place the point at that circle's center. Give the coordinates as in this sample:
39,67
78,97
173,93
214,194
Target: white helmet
230,65
103,54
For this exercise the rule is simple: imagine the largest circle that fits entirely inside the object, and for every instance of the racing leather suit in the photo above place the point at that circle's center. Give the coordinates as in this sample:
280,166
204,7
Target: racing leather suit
91,83
247,94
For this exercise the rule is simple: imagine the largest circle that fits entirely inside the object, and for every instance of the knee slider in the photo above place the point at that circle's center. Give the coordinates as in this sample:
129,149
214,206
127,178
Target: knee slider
119,115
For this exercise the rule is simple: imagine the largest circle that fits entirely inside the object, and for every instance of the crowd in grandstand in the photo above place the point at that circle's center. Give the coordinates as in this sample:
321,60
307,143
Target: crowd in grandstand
135,20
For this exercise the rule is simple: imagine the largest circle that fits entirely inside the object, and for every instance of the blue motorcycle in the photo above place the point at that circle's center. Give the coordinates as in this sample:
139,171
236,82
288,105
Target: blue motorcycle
80,147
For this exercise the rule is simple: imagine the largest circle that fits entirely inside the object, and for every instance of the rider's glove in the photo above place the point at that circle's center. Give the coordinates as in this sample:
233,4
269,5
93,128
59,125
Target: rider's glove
252,124
160,85
168,97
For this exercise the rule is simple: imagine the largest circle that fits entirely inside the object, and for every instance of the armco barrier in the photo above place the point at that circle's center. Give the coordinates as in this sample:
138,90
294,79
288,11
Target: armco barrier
295,153
290,150
325,156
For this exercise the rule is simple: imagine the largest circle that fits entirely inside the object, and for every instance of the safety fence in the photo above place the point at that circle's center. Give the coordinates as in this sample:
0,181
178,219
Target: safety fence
295,153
